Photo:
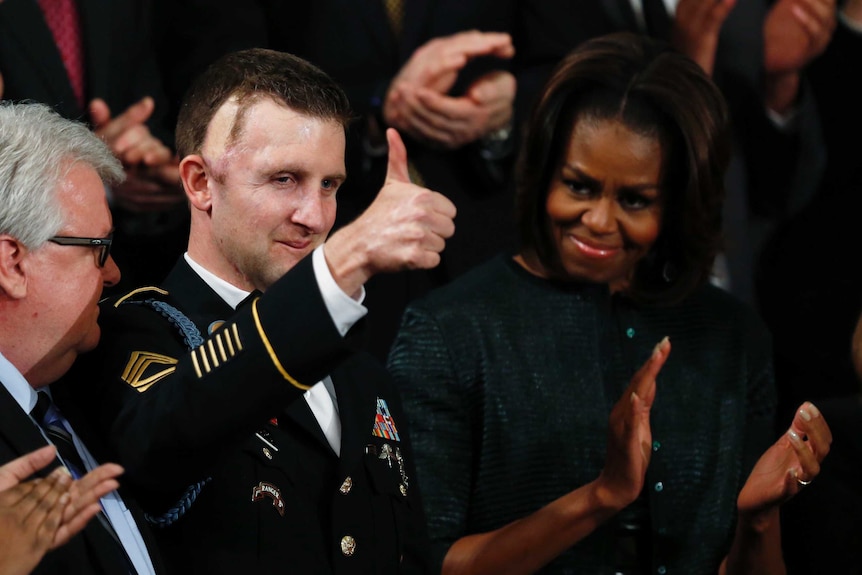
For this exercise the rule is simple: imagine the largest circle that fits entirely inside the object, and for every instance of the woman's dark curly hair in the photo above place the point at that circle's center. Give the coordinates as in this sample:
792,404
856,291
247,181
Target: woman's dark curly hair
655,92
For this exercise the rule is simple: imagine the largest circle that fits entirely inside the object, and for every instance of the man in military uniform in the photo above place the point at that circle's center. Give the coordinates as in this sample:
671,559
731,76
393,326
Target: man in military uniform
258,440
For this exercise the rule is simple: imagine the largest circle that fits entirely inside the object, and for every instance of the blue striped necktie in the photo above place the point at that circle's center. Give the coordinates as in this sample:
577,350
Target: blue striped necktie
57,429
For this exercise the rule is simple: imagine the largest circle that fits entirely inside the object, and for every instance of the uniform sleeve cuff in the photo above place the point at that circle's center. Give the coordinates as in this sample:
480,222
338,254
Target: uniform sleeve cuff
343,309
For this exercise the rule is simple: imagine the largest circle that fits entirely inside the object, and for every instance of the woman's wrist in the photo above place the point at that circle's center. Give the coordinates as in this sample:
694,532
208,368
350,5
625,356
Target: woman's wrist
758,522
605,500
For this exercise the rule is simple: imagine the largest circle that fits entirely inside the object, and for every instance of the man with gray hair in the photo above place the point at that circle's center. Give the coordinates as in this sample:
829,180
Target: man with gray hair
55,240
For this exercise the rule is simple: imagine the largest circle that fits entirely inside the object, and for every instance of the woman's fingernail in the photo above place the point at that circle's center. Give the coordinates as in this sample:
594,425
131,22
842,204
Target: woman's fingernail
656,351
794,436
805,415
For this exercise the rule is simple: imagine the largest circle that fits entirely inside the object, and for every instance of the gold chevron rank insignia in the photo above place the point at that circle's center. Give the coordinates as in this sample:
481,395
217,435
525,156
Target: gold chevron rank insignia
146,368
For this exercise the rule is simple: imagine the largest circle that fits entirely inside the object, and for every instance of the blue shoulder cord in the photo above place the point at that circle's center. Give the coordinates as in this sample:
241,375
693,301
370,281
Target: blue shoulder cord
192,338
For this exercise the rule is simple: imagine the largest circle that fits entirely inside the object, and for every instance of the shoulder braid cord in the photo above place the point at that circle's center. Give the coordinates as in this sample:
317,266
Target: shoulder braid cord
192,338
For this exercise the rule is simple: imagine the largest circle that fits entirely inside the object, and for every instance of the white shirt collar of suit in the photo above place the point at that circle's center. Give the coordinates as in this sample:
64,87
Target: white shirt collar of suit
16,385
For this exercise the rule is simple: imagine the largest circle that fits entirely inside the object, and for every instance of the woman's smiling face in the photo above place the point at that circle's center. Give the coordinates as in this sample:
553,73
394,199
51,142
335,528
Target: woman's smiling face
604,204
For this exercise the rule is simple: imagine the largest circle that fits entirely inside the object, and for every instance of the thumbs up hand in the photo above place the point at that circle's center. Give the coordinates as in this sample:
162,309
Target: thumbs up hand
397,169
406,227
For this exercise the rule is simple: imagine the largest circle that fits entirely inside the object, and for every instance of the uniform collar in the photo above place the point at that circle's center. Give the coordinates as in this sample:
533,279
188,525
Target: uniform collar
231,294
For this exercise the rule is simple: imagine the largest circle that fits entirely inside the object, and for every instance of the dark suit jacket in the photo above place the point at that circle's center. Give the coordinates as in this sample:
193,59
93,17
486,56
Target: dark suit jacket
278,497
836,93
820,297
119,60
548,30
121,69
90,552
834,499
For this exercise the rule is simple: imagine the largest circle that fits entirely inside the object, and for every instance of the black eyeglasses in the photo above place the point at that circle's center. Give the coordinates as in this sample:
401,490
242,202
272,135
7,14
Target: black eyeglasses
104,245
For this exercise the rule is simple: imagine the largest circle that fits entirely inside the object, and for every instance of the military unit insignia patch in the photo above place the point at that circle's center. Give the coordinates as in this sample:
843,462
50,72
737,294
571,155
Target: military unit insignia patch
264,489
384,425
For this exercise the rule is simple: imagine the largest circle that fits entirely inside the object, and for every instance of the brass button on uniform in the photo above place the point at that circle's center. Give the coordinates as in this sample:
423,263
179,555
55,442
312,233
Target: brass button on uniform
346,486
348,546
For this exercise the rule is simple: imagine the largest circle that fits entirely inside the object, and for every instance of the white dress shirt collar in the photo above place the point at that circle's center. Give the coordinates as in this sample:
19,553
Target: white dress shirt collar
16,385
231,294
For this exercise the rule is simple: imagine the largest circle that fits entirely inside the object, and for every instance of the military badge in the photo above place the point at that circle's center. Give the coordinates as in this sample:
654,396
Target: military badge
384,425
266,438
264,489
386,454
405,482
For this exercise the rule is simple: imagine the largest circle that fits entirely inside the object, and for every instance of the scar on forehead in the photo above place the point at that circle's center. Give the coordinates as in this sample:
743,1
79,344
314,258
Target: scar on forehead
223,133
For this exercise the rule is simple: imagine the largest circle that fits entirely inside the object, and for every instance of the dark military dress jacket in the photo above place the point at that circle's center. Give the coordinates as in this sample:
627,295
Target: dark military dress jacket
223,451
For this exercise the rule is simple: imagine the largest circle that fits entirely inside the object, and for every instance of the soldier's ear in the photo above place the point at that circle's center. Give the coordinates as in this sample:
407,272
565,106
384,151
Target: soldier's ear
13,274
197,181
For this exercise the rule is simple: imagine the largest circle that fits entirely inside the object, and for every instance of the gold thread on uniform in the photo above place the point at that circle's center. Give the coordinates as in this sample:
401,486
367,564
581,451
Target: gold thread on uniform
137,291
229,342
139,362
213,354
271,351
236,331
220,347
145,384
131,369
197,367
204,359
135,375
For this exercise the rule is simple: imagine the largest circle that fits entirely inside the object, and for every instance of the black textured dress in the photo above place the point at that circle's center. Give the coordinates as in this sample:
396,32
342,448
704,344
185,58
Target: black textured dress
509,379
